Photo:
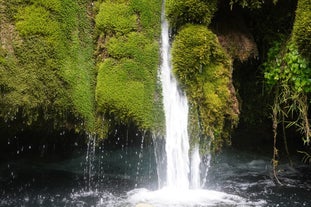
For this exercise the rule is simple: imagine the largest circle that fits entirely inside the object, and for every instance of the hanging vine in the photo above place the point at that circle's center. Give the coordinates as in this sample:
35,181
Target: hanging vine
287,76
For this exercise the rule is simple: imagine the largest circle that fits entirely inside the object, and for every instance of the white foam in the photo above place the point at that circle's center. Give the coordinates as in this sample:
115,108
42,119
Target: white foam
171,197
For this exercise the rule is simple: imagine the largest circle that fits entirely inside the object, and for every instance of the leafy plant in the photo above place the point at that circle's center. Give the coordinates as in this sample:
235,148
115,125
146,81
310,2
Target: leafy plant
306,157
253,4
287,75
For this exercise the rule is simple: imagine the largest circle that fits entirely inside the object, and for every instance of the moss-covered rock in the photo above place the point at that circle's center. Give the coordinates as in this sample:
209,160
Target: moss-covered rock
204,71
46,67
302,28
116,18
180,12
128,54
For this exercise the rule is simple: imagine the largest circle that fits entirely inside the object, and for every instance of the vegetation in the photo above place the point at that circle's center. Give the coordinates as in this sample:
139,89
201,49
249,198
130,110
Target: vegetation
302,29
287,74
77,65
204,70
127,75
46,67
253,4
180,12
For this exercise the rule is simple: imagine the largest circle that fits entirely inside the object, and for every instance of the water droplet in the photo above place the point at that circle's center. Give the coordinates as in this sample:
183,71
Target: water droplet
29,147
17,152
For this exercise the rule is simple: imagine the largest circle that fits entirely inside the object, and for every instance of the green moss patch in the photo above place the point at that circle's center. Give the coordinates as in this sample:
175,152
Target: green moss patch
204,71
180,12
48,74
302,28
127,75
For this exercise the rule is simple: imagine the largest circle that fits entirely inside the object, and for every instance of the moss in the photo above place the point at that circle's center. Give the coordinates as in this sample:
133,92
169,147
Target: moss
204,71
302,28
126,87
48,74
180,12
34,19
115,18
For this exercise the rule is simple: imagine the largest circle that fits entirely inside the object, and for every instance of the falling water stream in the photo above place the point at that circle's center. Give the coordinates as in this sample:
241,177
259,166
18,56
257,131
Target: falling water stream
176,120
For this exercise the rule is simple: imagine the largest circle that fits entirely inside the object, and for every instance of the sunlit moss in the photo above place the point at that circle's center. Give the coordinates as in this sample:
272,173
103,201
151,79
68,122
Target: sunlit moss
127,77
115,18
48,72
204,71
180,12
302,29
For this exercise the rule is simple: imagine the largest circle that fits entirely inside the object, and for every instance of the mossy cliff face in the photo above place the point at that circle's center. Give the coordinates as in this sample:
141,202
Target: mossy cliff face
302,28
91,65
128,59
46,66
48,72
204,71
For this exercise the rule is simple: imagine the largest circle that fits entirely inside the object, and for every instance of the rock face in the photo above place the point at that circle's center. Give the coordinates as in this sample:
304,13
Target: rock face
235,37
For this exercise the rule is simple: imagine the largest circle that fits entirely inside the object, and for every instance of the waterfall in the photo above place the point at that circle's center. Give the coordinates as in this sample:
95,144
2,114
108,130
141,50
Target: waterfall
176,120
182,184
